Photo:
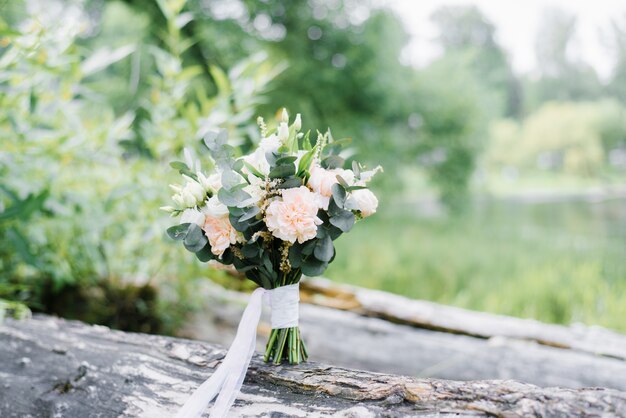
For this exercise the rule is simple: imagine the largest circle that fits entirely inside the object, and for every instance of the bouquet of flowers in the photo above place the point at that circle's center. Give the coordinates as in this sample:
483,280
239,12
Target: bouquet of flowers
273,215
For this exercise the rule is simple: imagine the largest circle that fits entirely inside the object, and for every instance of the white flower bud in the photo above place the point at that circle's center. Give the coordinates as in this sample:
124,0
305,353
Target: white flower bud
297,124
285,116
178,199
196,190
168,209
188,199
283,133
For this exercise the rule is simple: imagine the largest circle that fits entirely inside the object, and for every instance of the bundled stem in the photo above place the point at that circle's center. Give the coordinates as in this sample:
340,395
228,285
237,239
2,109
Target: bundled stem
285,344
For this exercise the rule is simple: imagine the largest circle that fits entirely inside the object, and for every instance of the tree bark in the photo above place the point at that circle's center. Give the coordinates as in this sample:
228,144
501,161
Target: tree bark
377,331
52,367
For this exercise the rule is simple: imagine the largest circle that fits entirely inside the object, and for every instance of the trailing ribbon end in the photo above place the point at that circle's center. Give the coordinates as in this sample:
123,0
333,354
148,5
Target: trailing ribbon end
228,378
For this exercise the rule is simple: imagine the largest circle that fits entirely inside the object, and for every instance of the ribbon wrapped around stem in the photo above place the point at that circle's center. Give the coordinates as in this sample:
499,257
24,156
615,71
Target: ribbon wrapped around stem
227,379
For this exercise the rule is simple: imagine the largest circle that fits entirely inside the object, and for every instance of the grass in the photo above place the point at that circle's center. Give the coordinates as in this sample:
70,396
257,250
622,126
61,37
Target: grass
558,263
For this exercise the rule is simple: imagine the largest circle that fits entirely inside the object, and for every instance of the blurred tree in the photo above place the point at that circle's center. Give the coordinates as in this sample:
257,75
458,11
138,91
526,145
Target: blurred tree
466,30
617,46
563,75
451,128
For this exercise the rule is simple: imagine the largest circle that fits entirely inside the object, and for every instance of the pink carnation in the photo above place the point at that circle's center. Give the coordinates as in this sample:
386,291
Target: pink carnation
220,233
294,217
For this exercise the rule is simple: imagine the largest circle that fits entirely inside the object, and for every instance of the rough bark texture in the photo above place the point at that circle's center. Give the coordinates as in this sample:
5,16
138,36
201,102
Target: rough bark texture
51,367
386,333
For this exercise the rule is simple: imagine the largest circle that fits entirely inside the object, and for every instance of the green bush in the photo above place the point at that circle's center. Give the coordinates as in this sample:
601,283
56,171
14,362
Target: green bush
81,183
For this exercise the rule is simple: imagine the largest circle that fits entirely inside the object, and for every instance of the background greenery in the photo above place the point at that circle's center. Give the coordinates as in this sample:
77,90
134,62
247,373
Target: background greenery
502,191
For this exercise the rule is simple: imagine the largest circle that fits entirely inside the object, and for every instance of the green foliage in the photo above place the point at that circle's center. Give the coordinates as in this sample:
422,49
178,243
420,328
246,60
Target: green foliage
80,180
559,263
573,138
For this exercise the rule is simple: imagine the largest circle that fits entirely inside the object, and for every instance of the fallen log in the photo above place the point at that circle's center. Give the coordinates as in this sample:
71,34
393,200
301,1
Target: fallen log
52,367
385,333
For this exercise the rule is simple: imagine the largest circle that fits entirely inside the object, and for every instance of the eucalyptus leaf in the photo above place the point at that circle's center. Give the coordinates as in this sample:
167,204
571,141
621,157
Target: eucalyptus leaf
271,158
195,239
232,197
250,213
339,195
290,159
344,220
295,255
313,267
205,254
324,249
178,232
332,161
250,250
342,181
308,247
291,183
282,171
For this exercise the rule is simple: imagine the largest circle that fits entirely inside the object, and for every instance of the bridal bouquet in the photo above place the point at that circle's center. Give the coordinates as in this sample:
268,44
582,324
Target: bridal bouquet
273,215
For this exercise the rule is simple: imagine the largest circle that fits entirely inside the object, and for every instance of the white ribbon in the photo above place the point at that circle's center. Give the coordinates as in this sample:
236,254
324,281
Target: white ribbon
228,378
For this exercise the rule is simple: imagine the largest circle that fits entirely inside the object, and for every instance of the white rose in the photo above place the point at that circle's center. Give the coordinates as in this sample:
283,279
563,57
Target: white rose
192,216
215,208
365,201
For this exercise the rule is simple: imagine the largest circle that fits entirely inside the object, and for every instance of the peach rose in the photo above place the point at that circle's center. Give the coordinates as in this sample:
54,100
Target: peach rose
294,217
322,181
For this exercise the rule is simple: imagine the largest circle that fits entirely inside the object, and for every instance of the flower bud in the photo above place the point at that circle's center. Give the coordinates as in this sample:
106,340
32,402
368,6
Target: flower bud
285,116
283,133
168,209
188,199
297,124
178,199
196,190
